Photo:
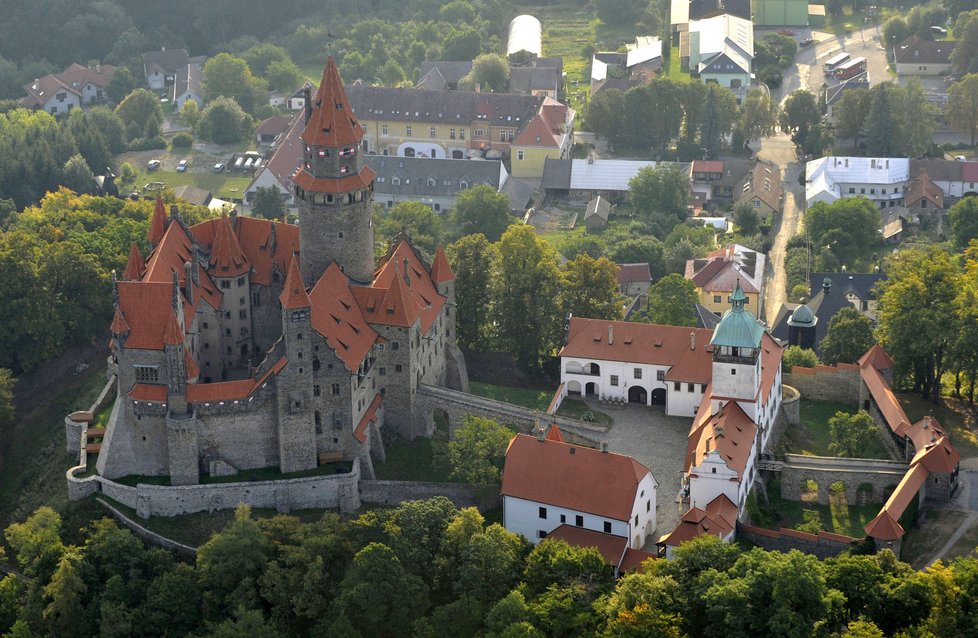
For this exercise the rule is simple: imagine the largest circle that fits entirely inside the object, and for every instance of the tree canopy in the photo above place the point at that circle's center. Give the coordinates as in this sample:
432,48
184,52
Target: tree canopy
481,210
672,301
849,336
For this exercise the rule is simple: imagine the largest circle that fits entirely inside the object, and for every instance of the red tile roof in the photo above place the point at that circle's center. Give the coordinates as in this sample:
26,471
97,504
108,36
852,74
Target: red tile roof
702,166
174,334
227,258
886,526
332,122
370,416
630,273
730,432
567,476
171,253
643,343
349,183
145,307
221,391
135,265
192,370
157,224
554,434
634,560
119,325
287,157
611,547
876,357
338,318
266,244
294,292
969,171
148,392
696,522
421,288
441,270
887,402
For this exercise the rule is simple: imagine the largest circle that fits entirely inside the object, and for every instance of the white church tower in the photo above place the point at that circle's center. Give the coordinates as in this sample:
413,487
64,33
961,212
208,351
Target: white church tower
736,355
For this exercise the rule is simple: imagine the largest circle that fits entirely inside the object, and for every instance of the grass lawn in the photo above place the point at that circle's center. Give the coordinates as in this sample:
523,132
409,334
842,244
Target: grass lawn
837,517
412,461
221,185
575,409
528,398
813,437
675,69
955,415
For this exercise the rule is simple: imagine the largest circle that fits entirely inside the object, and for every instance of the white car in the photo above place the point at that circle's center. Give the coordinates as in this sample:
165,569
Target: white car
152,165
961,158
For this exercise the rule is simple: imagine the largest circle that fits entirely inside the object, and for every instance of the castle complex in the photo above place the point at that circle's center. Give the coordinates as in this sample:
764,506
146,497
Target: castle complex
245,343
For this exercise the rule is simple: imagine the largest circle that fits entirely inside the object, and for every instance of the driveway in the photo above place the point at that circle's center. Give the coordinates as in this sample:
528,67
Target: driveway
658,441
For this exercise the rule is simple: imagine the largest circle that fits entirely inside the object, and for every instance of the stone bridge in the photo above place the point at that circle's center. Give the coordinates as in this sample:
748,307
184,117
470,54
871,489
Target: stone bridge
456,404
866,480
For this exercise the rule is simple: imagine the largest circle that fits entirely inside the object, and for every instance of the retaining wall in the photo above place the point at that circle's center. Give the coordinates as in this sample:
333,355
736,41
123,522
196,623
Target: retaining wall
840,383
395,492
315,492
75,430
148,535
823,545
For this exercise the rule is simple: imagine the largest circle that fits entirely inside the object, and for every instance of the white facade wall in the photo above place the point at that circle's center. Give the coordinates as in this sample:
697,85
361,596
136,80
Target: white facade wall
685,400
736,380
265,179
156,80
522,516
652,377
712,478
55,106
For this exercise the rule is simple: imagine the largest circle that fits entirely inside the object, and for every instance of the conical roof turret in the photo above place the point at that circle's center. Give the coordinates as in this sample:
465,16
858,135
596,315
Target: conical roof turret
135,266
294,293
227,257
332,122
157,225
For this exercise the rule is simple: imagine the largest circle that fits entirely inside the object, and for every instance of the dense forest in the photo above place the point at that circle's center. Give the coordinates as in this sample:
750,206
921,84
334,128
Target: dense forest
427,568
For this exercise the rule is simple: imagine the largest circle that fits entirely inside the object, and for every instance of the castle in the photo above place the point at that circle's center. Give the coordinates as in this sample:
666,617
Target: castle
245,343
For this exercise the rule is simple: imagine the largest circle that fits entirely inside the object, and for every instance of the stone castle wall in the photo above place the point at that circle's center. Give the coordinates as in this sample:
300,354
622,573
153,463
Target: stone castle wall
877,478
823,545
840,383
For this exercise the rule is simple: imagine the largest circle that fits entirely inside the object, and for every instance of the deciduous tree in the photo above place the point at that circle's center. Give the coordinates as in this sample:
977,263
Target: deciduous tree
964,57
477,449
136,110
962,105
472,259
963,217
758,115
421,223
852,434
223,121
481,209
269,203
590,288
850,334
490,71
798,356
660,195
526,283
672,301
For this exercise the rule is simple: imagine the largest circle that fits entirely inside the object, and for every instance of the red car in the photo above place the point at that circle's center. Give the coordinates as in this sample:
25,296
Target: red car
786,32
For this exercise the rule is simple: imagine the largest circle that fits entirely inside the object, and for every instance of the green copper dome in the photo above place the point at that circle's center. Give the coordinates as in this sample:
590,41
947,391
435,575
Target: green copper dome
738,328
802,316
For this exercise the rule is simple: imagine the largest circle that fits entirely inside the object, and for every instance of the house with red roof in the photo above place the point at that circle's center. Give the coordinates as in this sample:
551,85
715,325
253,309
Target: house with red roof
75,87
548,483
716,275
550,134
241,343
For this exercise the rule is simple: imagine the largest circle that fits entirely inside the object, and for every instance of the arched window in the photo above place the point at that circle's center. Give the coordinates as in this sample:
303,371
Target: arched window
315,365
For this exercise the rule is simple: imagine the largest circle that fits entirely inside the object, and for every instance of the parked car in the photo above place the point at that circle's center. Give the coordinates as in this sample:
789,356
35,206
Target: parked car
152,165
806,42
938,31
219,167
787,32
182,166
961,158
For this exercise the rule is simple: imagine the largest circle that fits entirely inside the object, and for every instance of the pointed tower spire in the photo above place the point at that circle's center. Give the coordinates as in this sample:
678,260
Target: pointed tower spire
157,225
173,335
294,293
400,307
441,271
554,434
135,266
119,324
331,122
227,257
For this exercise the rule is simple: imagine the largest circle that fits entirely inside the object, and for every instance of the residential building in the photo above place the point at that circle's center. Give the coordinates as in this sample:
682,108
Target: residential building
248,343
584,179
297,99
634,279
762,190
722,181
717,518
807,324
779,13
718,274
285,160
882,180
682,11
613,549
640,63
442,75
440,124
727,378
433,182
833,94
543,76
271,128
549,135
525,36
924,195
955,179
547,483
189,84
596,214
75,87
161,67
720,49
917,56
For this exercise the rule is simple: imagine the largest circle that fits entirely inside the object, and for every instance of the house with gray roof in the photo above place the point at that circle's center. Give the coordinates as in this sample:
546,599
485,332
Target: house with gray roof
161,67
433,182
534,80
442,75
584,179
917,56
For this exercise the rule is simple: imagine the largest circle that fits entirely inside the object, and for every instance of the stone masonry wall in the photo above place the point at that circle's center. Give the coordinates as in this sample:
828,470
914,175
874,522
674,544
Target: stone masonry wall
882,476
823,545
839,383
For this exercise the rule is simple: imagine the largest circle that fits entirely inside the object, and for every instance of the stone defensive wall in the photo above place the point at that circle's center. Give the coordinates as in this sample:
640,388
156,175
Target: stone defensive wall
866,480
315,492
76,423
840,383
148,535
823,545
457,404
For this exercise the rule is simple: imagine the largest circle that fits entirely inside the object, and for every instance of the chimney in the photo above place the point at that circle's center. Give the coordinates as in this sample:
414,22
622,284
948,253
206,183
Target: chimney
604,446
98,69
174,212
692,341
541,433
826,285
407,273
188,282
307,98
611,335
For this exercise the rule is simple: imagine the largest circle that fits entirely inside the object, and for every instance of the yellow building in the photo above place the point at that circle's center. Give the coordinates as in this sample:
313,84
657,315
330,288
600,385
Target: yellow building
550,134
718,274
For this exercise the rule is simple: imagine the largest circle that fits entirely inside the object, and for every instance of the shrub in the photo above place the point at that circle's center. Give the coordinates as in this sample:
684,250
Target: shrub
182,140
